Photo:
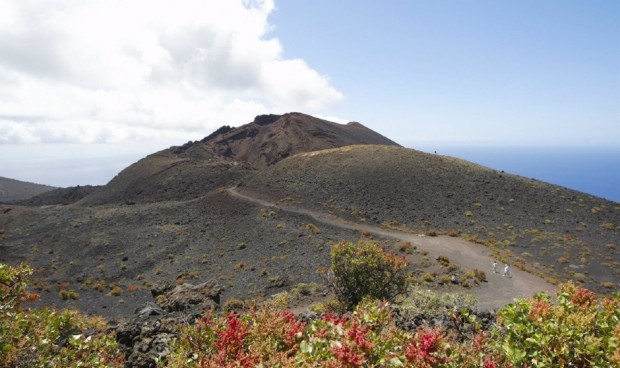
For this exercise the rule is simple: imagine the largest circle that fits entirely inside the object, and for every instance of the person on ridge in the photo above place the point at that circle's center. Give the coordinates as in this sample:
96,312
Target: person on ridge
494,266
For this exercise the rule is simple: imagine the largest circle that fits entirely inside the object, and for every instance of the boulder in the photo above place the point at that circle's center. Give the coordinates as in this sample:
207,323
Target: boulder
187,295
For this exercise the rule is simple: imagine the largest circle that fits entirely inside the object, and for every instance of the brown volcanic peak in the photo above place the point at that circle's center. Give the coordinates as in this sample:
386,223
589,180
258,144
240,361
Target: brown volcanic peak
226,157
270,138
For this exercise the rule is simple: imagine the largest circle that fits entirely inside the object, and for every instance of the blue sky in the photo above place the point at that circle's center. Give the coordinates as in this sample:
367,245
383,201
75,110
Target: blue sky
81,99
501,73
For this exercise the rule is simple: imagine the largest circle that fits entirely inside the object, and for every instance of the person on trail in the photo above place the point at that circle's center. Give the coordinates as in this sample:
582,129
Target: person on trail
506,270
494,266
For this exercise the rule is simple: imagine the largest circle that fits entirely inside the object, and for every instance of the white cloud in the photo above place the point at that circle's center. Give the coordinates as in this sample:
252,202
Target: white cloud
112,70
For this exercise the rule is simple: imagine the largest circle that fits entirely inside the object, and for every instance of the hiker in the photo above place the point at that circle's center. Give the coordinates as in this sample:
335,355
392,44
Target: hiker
494,266
506,269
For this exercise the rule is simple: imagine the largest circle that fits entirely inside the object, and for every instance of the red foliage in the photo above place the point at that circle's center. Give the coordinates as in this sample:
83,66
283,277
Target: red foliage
296,328
420,352
490,363
230,344
347,356
333,318
358,334
583,297
540,309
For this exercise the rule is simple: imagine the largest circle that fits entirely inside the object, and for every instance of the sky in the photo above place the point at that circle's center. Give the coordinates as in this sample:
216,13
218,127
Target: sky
88,87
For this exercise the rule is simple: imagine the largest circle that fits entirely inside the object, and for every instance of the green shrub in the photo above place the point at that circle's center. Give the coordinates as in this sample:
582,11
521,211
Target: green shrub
419,301
579,331
365,270
46,337
429,277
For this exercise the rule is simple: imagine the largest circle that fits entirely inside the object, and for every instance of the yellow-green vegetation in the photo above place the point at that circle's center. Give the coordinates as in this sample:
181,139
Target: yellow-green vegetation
365,270
429,277
47,337
68,294
443,261
279,300
312,227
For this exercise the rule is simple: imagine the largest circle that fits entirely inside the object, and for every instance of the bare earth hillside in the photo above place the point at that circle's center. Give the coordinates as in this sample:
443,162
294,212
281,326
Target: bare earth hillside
550,230
301,185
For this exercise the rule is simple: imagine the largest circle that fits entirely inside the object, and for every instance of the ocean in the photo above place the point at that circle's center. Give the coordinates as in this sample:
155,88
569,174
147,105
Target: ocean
593,171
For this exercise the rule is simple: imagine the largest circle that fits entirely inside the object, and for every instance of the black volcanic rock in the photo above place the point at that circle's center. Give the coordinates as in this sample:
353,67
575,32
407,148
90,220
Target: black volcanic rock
266,119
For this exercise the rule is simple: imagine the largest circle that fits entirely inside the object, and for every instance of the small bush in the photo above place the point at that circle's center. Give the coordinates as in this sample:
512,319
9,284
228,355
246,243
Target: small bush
365,270
68,294
405,247
115,291
607,284
445,279
312,227
279,300
233,304
479,275
444,261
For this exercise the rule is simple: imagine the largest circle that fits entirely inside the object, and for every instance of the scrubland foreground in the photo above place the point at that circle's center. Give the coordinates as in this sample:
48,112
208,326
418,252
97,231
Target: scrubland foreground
416,329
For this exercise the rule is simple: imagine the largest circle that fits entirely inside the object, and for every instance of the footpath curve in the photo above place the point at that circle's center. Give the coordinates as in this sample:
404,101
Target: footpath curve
492,295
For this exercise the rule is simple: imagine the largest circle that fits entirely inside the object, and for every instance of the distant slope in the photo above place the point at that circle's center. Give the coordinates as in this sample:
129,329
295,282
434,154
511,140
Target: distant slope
226,157
524,220
13,190
62,196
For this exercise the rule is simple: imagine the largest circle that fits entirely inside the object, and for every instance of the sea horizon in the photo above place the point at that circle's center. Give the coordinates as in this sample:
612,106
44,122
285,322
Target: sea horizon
594,171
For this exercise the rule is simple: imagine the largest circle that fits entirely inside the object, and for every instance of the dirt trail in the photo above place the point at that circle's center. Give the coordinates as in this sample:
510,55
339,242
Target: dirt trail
494,294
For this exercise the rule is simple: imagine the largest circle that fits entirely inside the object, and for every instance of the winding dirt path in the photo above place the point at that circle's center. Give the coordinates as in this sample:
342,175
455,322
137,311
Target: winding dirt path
494,294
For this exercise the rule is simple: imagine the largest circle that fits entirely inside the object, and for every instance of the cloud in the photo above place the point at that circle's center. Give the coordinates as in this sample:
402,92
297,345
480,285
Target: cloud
113,71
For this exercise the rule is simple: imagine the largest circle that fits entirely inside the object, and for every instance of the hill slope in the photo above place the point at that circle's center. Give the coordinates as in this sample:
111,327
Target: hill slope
14,190
523,220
